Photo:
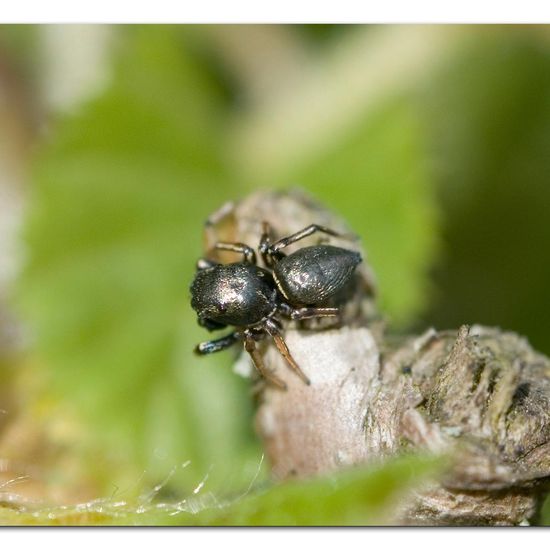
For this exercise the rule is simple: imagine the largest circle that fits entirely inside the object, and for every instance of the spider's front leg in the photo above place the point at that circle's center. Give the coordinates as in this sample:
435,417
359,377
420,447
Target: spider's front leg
250,347
273,330
212,346
249,256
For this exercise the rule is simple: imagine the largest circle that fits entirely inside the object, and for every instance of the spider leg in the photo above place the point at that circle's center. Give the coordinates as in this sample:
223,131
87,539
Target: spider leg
311,312
265,239
250,347
212,346
249,256
268,256
302,234
297,314
273,331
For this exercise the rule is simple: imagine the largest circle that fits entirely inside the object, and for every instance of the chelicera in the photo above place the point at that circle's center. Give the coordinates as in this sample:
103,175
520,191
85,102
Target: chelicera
255,299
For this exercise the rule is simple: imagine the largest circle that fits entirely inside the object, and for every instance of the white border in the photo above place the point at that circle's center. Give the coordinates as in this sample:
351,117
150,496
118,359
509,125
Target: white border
281,11
277,538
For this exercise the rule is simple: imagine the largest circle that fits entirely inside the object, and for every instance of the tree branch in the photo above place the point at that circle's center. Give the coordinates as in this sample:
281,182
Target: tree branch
479,395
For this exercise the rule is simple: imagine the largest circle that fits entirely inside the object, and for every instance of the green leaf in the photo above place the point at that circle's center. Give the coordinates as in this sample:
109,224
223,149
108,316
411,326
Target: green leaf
113,233
545,512
360,496
357,497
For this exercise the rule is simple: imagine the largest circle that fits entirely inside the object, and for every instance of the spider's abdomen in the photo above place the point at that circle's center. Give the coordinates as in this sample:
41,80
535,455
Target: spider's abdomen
236,294
313,274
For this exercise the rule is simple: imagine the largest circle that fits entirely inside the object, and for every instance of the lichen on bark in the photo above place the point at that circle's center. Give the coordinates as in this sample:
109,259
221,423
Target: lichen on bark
477,395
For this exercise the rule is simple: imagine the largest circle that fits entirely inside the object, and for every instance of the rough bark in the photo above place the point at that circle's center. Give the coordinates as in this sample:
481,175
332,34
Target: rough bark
479,395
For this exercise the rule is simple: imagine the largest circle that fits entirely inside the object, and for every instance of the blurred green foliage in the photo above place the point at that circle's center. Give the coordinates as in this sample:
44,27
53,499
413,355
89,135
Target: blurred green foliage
119,197
355,497
118,200
360,497
545,513
489,116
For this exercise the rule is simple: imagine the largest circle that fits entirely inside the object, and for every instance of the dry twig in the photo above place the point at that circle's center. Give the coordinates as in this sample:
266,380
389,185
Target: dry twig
479,395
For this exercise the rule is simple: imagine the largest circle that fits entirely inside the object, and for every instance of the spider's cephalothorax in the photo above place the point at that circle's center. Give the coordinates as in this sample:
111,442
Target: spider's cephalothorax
252,299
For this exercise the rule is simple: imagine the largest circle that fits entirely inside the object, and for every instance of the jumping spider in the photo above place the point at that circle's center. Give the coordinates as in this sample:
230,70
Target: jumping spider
252,299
